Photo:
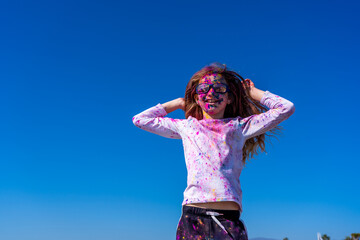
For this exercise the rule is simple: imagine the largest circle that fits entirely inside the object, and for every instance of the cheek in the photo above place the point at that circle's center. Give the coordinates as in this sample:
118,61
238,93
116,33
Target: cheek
201,96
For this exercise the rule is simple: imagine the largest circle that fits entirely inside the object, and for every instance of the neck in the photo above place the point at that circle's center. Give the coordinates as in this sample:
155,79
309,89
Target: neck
213,116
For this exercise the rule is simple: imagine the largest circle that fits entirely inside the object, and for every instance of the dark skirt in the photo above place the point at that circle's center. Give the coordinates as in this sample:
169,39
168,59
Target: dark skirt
210,224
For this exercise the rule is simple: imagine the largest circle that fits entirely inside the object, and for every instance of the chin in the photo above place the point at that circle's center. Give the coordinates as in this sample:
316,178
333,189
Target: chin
212,113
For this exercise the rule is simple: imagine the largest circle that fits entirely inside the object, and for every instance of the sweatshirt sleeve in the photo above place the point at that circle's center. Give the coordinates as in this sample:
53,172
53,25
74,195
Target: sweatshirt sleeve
153,120
280,110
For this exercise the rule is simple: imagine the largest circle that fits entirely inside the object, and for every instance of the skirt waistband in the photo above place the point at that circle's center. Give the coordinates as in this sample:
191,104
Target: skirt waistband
228,214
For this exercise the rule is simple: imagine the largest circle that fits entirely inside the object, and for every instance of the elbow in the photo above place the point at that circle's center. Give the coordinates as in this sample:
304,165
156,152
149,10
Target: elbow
288,110
141,122
136,121
291,108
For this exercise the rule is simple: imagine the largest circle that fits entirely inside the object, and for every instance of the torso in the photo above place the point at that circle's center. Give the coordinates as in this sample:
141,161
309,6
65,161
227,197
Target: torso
213,155
225,205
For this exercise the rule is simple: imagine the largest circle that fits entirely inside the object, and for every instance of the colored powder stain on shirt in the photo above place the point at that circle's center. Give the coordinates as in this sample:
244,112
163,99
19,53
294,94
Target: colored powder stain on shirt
218,142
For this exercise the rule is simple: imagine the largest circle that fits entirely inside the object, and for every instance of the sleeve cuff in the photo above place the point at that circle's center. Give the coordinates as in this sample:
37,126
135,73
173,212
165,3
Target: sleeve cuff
264,97
161,109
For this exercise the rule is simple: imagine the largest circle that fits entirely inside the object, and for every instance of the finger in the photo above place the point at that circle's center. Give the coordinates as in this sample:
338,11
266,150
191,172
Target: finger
246,82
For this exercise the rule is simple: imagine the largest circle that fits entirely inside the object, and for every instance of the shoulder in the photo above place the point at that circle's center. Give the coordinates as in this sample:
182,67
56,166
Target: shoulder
241,122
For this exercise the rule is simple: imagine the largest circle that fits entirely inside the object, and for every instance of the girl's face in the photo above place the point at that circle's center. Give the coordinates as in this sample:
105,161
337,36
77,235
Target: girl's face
214,101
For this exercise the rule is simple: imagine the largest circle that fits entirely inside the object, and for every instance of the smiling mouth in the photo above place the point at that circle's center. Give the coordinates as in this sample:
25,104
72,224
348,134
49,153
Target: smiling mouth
211,101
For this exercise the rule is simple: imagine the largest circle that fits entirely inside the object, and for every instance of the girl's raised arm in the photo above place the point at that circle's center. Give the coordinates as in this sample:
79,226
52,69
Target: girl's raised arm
280,110
153,120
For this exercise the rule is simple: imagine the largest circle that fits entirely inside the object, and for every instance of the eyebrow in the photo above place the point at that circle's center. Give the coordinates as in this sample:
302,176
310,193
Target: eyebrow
217,80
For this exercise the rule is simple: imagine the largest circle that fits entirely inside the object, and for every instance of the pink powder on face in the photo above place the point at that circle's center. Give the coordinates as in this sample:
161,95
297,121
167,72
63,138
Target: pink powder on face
219,104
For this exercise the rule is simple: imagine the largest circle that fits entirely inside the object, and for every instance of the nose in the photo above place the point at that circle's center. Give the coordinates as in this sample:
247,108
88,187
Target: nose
211,91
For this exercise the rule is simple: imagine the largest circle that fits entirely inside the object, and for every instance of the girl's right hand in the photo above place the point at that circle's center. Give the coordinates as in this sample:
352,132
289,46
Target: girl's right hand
181,103
178,103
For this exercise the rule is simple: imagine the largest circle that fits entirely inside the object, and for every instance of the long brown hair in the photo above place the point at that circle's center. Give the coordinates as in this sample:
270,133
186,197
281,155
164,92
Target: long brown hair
242,104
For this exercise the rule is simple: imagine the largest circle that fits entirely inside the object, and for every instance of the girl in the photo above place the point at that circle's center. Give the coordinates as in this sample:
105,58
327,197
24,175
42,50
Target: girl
224,124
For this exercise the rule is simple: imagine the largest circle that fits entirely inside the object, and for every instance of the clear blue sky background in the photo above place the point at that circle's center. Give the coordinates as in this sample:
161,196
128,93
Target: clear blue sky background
73,74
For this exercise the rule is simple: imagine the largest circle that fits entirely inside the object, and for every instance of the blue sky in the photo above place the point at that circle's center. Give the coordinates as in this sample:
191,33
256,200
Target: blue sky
74,73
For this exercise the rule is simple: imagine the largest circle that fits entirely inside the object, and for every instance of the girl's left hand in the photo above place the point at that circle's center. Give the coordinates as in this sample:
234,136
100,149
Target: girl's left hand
248,83
255,93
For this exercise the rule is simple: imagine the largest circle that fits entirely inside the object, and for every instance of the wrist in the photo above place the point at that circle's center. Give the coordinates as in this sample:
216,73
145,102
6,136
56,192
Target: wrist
173,105
256,94
181,103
